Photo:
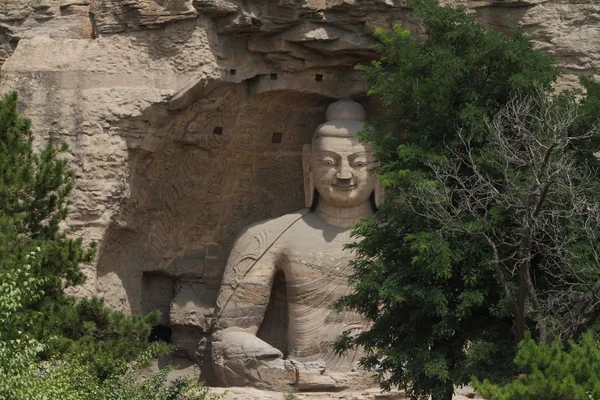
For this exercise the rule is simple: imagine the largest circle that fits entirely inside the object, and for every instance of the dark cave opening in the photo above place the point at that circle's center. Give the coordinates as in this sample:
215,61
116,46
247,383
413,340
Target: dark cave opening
161,333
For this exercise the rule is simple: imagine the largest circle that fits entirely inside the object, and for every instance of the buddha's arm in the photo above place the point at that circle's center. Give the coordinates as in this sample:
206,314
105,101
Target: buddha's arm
245,290
249,275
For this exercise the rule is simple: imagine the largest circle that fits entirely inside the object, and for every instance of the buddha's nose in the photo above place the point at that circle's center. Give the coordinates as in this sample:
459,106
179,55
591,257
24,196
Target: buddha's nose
344,172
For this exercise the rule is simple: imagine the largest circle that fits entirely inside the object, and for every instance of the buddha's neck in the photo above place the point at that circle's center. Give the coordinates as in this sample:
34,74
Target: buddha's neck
343,217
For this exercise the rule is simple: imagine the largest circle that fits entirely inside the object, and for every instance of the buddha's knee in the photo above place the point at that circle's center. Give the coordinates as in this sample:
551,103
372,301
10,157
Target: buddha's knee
241,359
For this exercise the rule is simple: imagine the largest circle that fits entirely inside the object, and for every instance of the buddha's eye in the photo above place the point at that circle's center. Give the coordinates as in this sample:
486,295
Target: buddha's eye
329,161
360,163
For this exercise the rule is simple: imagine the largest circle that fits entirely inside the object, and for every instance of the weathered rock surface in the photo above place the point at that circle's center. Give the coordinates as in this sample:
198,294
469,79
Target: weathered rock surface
186,120
242,393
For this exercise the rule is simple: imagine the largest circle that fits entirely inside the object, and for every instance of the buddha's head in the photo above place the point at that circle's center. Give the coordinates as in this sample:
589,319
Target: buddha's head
337,165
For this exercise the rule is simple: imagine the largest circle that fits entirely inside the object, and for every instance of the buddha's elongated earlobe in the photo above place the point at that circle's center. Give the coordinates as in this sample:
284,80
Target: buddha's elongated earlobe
309,183
379,194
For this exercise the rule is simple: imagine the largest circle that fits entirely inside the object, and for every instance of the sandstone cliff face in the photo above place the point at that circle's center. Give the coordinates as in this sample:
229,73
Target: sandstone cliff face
186,119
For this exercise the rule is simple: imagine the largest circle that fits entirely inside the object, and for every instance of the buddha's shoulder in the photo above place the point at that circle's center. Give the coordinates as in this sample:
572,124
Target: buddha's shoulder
270,229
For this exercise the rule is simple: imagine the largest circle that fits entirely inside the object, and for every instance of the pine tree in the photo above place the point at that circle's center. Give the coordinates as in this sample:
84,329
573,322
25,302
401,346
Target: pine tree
552,372
34,189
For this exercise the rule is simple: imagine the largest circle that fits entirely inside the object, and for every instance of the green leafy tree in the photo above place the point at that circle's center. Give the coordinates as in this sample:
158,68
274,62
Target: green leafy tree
75,379
535,206
34,190
552,373
18,350
443,306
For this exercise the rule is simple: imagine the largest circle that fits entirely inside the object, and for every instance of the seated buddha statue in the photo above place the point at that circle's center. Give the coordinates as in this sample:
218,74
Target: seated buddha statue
307,249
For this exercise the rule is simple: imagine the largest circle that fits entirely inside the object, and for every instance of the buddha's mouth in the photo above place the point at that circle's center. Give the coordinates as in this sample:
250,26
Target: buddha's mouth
344,187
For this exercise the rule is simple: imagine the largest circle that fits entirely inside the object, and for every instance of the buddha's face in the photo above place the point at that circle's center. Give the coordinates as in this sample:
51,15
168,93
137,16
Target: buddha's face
340,167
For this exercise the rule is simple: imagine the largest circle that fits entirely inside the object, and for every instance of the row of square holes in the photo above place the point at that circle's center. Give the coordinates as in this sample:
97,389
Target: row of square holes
318,77
276,138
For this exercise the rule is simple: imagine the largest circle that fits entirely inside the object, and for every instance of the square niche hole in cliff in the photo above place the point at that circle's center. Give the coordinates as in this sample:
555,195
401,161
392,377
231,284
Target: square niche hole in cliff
218,131
318,77
232,71
273,77
277,137
158,290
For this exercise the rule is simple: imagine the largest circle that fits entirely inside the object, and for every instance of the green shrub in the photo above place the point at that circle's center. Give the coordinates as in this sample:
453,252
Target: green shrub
18,289
86,328
76,380
551,373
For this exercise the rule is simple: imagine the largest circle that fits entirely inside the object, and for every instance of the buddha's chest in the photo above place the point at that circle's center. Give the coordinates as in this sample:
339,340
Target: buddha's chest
306,254
309,267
